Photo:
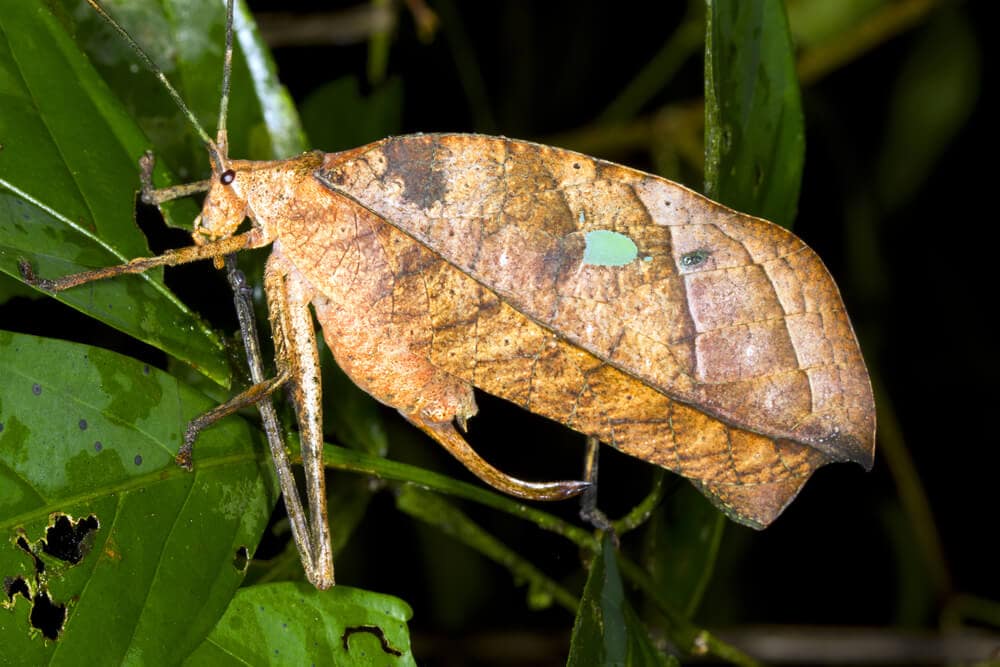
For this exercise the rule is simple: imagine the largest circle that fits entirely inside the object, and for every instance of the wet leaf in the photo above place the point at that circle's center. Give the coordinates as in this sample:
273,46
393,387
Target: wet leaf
607,630
90,436
755,134
618,303
294,624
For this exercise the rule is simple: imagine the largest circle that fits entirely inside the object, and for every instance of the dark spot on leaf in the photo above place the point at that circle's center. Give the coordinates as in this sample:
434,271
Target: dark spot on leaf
694,258
36,389
47,617
145,369
372,630
1,427
68,541
83,424
138,459
242,559
98,446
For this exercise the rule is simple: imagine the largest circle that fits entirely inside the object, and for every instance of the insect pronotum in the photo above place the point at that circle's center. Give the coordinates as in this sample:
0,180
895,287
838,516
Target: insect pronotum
616,302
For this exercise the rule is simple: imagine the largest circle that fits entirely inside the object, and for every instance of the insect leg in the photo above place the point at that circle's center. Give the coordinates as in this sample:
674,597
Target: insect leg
150,195
296,355
251,396
212,249
588,500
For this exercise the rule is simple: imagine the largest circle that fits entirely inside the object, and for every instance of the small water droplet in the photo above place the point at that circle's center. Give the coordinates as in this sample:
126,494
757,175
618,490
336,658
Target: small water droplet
145,369
98,445
36,389
83,424
138,459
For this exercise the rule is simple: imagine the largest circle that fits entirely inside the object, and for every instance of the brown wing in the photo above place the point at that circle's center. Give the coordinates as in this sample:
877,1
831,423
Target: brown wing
725,313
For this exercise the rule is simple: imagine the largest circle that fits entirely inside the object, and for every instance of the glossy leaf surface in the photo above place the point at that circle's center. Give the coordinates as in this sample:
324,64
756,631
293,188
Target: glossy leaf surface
294,624
90,436
755,133
68,178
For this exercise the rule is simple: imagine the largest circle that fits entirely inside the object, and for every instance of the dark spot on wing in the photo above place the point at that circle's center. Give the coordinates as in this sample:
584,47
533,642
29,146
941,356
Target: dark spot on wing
411,160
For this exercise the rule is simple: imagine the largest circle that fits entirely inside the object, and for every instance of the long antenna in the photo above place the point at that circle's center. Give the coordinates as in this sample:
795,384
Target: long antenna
222,137
151,66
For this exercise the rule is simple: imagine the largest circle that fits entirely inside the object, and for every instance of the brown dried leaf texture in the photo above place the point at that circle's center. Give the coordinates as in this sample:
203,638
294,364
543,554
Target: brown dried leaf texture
721,350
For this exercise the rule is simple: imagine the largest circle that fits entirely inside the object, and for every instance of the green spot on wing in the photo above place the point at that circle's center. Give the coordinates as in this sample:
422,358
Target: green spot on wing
607,248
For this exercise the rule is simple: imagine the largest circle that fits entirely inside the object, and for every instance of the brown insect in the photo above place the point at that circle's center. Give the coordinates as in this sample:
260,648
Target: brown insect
618,303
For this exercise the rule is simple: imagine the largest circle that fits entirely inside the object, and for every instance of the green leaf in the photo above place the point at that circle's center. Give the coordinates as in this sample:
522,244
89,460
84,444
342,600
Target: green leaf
91,435
607,630
294,624
68,177
186,41
754,132
680,546
337,116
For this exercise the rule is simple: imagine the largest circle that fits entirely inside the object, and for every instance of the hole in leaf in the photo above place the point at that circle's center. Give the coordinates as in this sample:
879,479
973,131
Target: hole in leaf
68,541
22,542
242,559
372,630
14,585
47,617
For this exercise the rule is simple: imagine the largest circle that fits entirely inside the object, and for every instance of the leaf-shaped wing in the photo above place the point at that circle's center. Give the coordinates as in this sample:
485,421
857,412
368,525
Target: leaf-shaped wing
628,307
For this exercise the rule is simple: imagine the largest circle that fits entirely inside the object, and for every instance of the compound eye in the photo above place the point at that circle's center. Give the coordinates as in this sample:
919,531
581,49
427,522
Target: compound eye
227,177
